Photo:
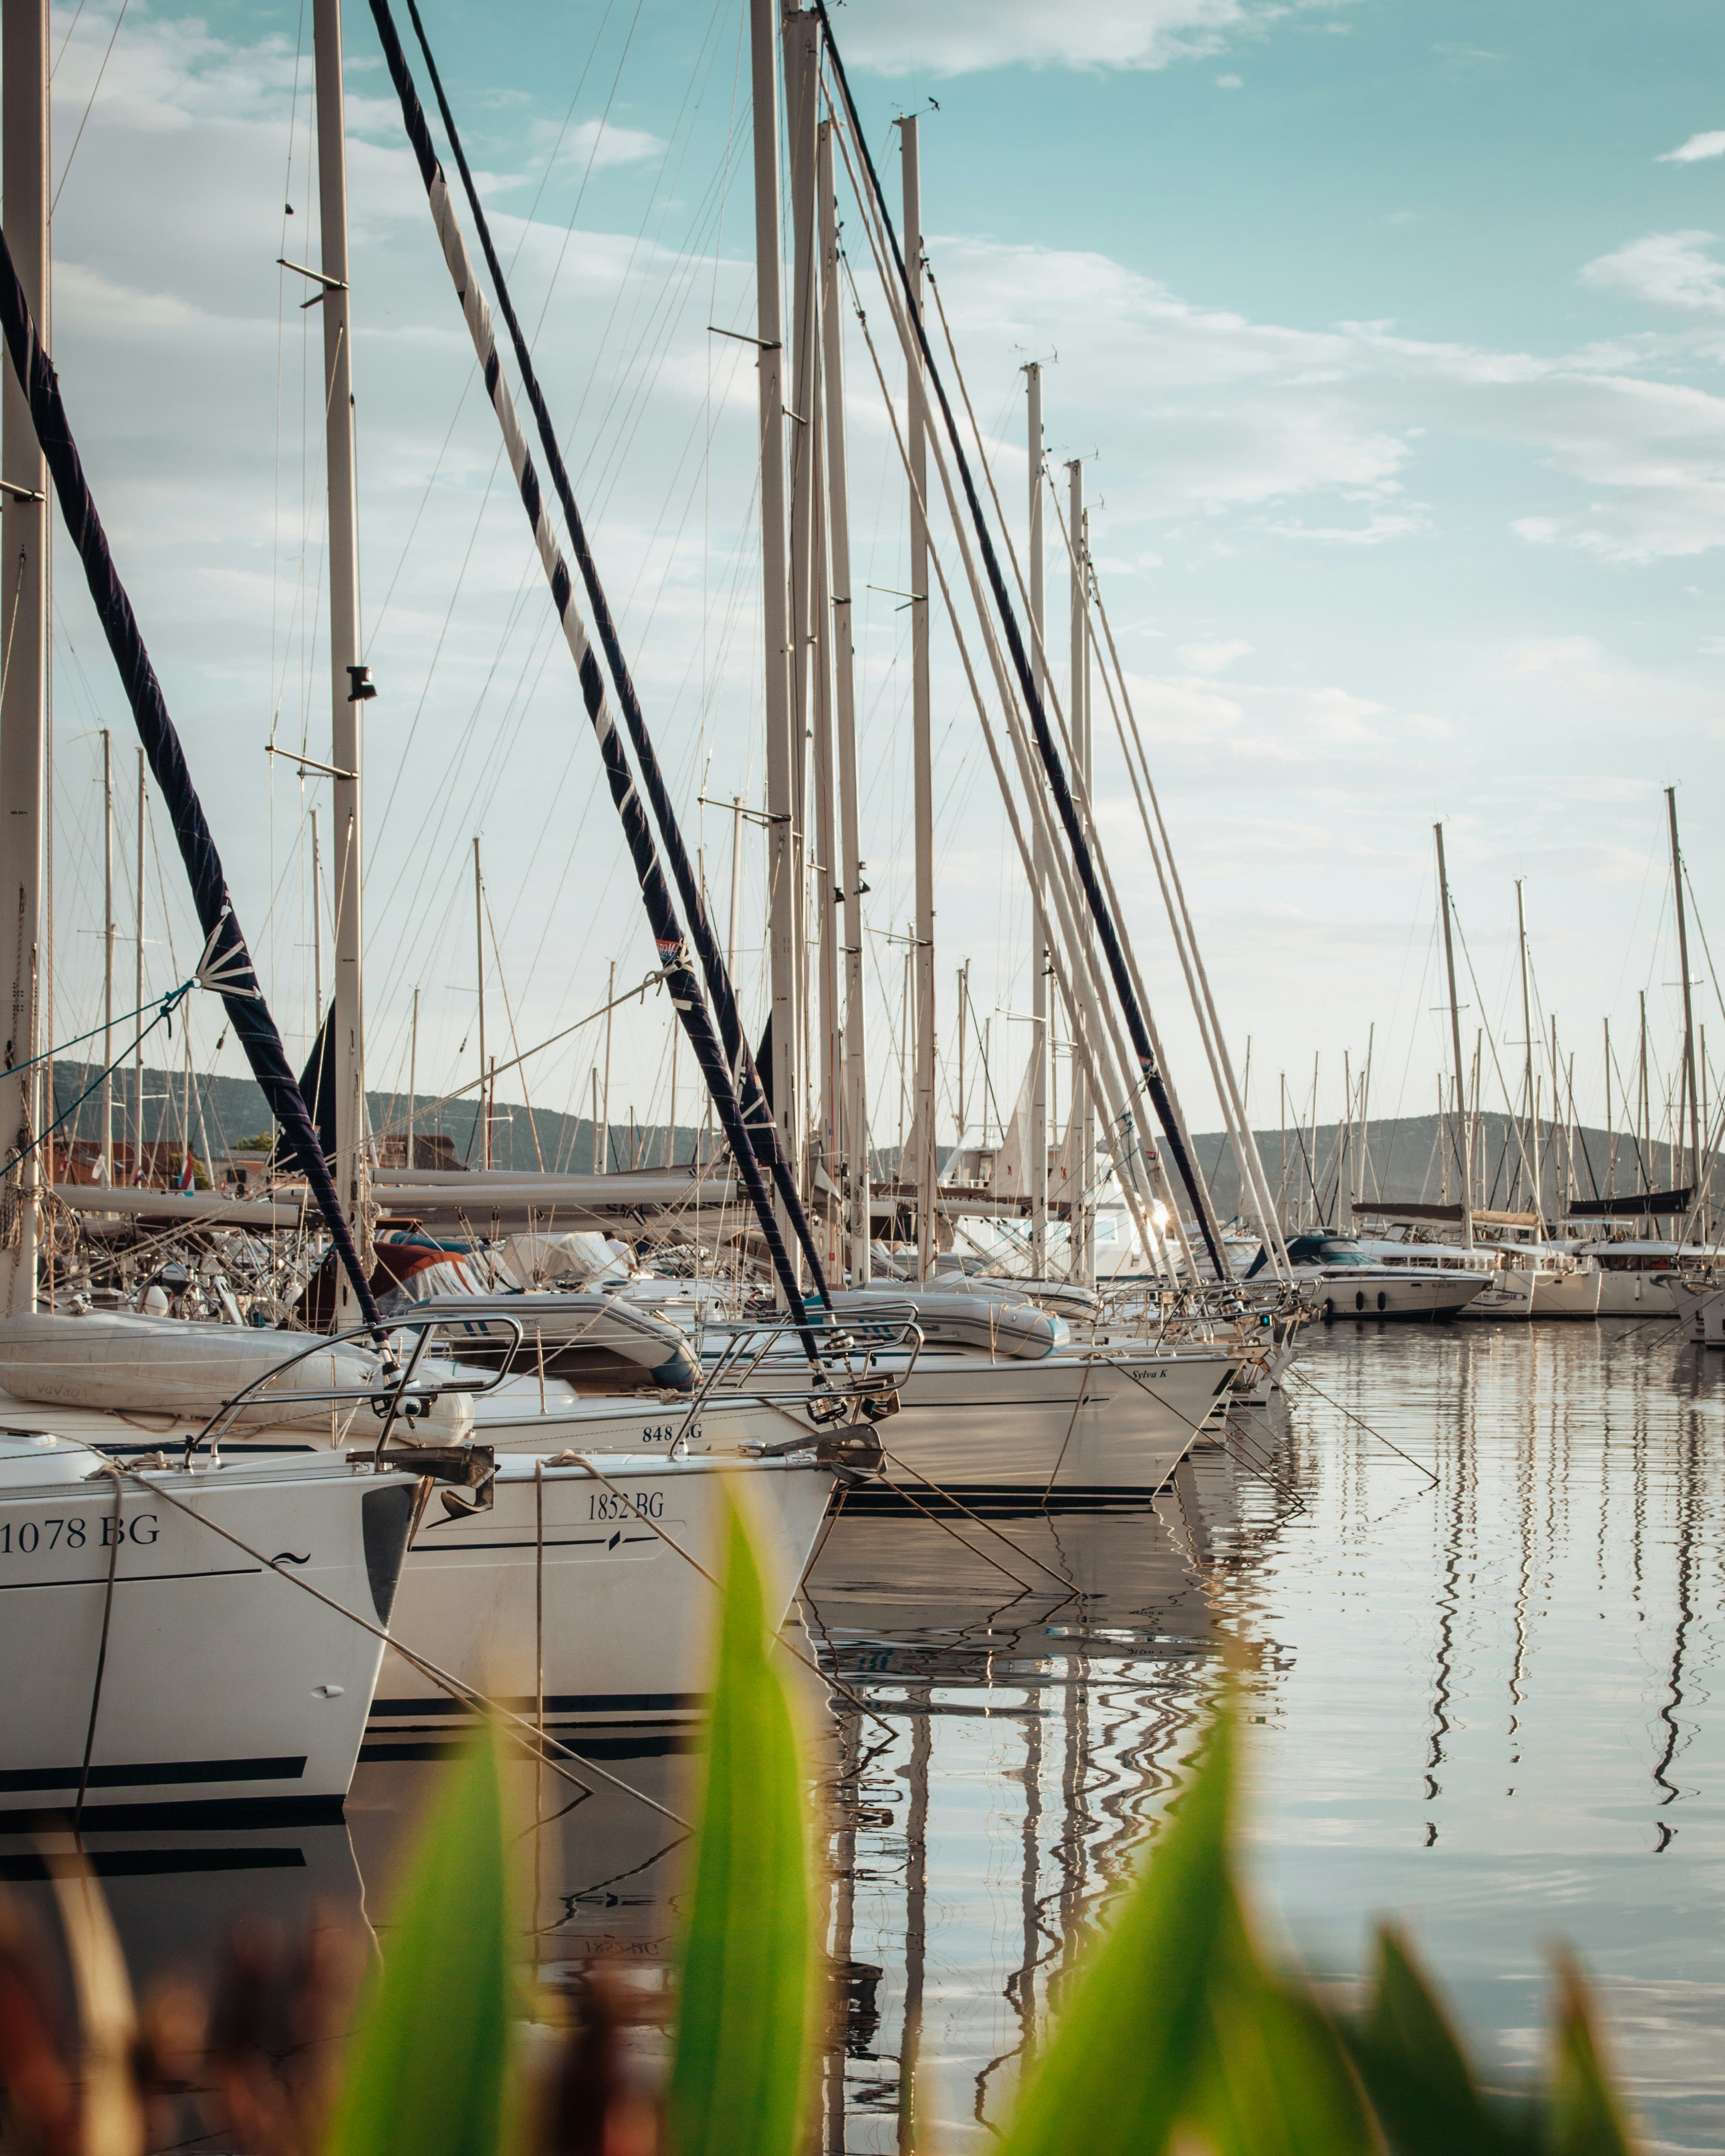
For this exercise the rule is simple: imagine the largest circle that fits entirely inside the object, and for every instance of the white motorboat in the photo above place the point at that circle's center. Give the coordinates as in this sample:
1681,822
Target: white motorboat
1352,1278
585,1580
224,1684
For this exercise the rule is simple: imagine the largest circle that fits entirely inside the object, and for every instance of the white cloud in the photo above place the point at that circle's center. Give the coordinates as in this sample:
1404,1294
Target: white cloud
1696,148
1250,426
1378,528
601,144
1213,658
1229,82
1664,270
966,37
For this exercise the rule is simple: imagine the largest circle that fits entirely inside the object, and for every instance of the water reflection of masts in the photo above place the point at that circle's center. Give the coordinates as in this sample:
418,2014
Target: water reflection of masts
849,1735
921,1706
1459,1511
1021,1984
1686,1495
1525,1481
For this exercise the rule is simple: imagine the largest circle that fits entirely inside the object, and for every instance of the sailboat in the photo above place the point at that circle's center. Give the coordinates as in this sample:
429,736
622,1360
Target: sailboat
792,1492
1119,1418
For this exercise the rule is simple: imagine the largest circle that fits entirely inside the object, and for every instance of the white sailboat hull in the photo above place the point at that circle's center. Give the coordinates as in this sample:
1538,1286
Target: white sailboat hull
1509,1297
1567,1294
628,1623
512,1419
1702,1308
1074,1428
1635,1295
225,1684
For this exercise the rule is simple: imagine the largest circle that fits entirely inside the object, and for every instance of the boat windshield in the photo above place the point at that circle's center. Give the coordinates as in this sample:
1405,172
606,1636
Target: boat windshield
1328,1250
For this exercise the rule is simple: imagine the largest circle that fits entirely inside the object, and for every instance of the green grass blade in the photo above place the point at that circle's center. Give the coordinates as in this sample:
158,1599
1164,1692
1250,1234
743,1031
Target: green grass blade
1585,2118
426,2073
744,2010
1117,2074
1415,2072
1276,2080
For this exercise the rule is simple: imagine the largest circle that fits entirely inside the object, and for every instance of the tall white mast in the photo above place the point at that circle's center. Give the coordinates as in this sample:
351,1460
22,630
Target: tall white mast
1456,1040
107,1119
478,949
1344,1152
807,645
854,1097
1689,1084
25,572
349,685
784,750
922,1167
1082,1118
137,1163
1038,1134
316,927
1532,1153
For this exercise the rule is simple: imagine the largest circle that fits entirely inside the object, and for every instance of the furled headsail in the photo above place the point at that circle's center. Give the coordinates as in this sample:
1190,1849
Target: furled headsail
227,968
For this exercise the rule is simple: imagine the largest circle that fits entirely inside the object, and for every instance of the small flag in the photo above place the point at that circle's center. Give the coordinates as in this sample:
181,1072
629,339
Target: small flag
188,1181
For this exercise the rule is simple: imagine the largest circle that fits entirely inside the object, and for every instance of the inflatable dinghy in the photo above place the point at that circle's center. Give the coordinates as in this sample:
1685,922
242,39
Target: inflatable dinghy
125,1364
1000,1325
594,1341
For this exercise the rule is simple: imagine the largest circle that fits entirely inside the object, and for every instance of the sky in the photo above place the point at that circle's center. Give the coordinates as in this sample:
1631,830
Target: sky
1389,338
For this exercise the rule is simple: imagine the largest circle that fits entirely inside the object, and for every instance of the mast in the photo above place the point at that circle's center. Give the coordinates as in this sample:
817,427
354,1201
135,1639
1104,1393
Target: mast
854,1093
107,1122
1475,1150
1082,1114
806,645
350,686
1455,1038
1689,1085
413,1075
138,1165
1038,1179
601,1146
25,569
1643,1119
316,927
1532,1147
783,758
921,752
1610,1127
1344,1152
479,934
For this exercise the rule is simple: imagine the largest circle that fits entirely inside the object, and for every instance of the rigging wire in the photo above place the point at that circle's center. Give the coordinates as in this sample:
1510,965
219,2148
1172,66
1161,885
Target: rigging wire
66,170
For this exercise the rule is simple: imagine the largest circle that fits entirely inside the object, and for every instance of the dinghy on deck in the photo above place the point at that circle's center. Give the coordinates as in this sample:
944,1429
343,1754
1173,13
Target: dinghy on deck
114,1362
1000,1324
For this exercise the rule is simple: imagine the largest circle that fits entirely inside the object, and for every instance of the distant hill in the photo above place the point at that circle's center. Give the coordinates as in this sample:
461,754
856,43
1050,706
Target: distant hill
233,1109
1400,1156
1397,1157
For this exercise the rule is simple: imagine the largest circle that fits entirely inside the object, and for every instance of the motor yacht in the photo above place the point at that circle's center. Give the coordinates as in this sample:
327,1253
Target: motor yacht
1354,1278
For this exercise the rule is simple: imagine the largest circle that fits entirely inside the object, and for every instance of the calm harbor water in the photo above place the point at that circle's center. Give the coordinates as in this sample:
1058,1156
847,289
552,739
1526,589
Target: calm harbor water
1482,1703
